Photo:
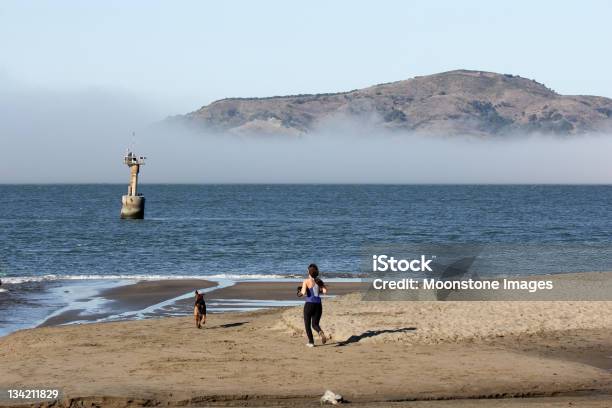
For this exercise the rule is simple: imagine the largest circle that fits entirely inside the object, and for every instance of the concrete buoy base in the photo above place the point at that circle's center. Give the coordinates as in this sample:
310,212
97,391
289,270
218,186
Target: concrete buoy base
132,207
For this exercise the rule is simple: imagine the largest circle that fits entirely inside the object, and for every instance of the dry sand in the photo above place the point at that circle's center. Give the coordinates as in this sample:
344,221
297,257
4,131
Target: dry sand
382,354
413,323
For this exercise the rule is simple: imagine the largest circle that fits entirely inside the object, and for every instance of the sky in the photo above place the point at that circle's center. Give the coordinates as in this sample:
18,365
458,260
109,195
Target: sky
181,55
85,74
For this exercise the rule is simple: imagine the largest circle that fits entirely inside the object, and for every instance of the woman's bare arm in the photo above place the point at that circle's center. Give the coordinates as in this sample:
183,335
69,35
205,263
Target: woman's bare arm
304,287
322,285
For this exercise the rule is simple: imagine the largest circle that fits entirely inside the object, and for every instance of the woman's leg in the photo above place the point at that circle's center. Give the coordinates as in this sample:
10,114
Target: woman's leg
307,319
316,316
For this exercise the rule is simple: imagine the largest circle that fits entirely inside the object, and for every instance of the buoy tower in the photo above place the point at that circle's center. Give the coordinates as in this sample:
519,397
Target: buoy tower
133,204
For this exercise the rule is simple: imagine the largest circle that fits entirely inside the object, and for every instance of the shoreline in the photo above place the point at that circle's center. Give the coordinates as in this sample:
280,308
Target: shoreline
174,297
125,298
93,300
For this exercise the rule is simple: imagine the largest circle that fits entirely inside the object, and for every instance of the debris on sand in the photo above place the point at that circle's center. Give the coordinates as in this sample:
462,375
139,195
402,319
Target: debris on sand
332,398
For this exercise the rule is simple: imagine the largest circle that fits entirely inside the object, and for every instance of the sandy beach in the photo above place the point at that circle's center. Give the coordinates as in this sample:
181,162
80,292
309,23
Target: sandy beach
416,354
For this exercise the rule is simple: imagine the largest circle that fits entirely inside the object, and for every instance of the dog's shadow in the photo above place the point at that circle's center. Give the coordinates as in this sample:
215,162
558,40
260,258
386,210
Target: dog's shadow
372,333
228,325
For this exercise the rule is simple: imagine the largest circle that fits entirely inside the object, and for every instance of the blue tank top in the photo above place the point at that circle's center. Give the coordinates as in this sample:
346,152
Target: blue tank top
312,294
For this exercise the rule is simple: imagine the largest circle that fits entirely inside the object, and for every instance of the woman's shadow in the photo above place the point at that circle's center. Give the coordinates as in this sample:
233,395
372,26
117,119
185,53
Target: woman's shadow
372,333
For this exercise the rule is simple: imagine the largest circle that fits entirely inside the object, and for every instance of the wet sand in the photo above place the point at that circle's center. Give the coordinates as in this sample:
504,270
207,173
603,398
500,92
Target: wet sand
147,293
280,290
130,297
139,295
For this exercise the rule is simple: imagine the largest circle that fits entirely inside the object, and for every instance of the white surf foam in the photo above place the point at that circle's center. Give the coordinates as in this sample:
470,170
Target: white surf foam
229,276
238,277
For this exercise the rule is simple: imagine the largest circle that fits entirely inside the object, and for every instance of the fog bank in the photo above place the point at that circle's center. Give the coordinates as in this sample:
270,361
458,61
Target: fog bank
378,157
79,137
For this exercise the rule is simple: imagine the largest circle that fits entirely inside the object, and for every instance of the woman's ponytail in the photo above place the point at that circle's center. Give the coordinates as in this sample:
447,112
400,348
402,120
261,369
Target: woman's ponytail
313,270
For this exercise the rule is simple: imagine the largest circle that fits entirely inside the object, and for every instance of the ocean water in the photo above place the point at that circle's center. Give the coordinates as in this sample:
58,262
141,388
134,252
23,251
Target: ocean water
203,230
57,232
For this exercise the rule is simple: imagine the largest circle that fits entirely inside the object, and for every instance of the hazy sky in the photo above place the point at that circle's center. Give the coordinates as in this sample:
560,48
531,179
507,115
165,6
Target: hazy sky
181,55
76,77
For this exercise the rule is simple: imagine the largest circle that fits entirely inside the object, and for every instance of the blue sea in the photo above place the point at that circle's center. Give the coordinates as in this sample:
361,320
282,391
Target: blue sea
60,233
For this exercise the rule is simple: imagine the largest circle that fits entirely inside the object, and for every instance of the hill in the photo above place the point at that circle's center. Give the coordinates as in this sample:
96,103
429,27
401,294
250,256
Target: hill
455,102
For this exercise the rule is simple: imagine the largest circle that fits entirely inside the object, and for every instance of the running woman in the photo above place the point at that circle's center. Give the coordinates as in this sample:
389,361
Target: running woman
312,287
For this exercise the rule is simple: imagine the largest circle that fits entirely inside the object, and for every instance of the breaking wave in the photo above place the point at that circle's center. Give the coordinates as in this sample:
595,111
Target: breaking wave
229,276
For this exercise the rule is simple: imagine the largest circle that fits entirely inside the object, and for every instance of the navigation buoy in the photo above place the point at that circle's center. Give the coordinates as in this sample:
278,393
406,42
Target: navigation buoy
133,204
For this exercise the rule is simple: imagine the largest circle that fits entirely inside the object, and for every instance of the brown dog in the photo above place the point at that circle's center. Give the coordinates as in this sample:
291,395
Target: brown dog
199,310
